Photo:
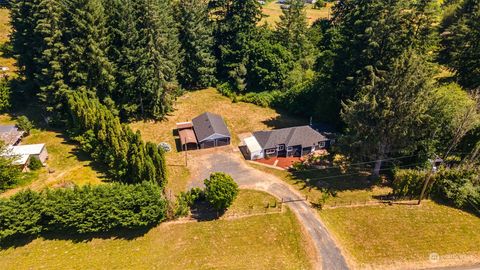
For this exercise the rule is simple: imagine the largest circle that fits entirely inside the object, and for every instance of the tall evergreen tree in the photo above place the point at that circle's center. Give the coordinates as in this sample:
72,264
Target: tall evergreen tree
461,43
236,23
23,21
86,41
292,29
391,115
196,38
367,37
50,78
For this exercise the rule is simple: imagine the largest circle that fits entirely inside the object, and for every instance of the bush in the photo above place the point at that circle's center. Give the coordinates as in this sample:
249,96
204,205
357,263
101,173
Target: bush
220,190
88,209
408,182
24,124
263,99
35,164
186,200
459,186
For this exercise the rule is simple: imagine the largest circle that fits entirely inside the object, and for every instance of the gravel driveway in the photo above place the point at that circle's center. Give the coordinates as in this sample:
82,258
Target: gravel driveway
204,162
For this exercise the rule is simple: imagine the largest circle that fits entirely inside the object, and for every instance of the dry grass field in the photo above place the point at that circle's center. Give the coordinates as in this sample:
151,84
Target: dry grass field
404,236
271,241
273,10
4,36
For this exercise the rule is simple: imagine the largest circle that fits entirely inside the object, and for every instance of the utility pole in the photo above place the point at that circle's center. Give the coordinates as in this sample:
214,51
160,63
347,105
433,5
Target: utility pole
427,181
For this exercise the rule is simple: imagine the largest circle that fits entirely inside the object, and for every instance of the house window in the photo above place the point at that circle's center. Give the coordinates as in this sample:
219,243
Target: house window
270,151
321,144
290,148
281,147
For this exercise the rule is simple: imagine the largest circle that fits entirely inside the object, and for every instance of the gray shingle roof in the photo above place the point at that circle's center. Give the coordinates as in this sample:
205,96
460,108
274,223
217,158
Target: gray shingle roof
302,135
207,124
10,134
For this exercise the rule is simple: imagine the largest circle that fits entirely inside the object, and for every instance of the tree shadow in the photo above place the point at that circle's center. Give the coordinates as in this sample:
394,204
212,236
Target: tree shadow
203,211
283,120
123,234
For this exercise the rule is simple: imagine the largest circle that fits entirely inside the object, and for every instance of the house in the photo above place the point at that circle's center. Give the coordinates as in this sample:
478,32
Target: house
285,142
10,135
24,153
210,130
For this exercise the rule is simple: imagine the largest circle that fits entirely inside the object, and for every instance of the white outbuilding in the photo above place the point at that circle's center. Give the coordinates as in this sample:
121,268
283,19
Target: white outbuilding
254,150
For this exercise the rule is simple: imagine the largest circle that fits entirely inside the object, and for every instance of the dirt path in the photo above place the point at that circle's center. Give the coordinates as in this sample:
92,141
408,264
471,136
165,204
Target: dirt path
204,162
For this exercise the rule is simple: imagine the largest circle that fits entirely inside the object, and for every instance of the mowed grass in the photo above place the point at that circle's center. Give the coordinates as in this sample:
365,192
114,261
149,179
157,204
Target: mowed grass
404,236
4,37
272,10
254,202
349,189
239,117
66,164
271,241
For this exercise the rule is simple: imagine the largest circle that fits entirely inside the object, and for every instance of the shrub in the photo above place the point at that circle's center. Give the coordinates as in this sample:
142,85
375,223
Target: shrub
408,182
85,209
24,124
220,190
186,200
35,164
263,99
459,186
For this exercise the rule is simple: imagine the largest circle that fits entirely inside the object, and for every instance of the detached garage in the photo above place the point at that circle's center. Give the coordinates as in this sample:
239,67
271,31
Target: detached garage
210,130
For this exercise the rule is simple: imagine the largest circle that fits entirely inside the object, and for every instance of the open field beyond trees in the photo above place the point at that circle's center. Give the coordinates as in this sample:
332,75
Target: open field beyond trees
404,236
273,10
4,36
270,241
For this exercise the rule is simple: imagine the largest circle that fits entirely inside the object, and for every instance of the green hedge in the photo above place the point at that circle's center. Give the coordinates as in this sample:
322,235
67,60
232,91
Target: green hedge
88,209
459,186
123,151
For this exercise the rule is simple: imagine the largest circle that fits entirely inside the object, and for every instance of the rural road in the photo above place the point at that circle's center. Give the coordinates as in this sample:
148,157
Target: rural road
204,162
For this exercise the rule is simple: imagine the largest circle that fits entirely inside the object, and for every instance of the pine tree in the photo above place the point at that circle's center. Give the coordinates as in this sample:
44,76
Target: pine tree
52,87
390,115
367,36
461,43
196,38
23,21
86,42
292,29
236,24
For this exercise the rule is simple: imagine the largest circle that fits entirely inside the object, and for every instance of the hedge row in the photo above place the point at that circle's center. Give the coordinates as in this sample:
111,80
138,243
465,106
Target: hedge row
460,186
88,209
123,151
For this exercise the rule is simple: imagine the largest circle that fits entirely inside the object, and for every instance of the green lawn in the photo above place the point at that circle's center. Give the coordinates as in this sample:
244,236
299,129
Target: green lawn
406,234
271,241
66,163
349,189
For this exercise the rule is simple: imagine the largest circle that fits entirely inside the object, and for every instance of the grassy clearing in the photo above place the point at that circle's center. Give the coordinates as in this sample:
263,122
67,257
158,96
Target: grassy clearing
403,236
4,37
253,202
349,189
66,163
240,118
273,10
273,241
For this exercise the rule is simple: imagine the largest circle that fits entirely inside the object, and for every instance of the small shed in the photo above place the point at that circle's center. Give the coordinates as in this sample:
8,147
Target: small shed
24,153
187,135
10,135
211,130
